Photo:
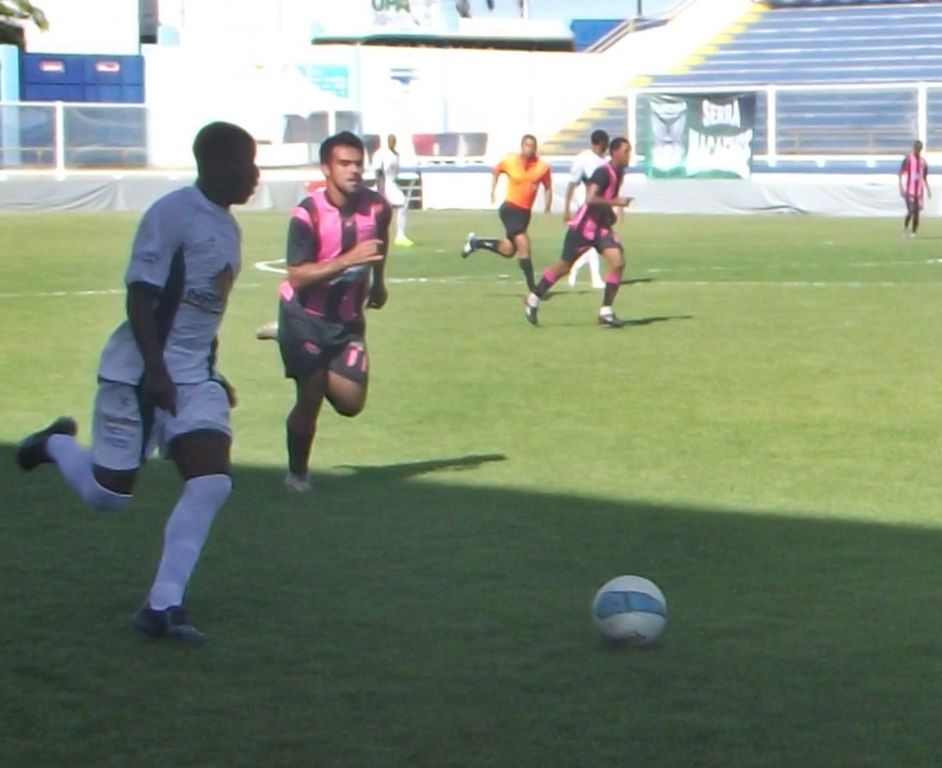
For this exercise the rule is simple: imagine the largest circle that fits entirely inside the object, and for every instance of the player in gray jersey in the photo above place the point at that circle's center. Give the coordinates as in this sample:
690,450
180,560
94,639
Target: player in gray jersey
158,387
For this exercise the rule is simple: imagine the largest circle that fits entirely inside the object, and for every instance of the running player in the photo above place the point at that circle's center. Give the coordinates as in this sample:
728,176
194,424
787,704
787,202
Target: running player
592,227
338,238
583,166
157,380
525,174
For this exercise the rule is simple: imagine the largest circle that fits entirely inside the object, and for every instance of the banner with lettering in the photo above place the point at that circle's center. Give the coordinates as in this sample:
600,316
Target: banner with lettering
698,136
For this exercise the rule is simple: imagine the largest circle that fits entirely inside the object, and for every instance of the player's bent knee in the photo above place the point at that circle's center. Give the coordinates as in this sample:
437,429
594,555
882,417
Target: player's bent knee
107,498
348,409
116,481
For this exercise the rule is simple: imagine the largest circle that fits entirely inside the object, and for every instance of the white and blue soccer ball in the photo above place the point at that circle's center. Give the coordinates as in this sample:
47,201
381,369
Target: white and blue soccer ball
630,609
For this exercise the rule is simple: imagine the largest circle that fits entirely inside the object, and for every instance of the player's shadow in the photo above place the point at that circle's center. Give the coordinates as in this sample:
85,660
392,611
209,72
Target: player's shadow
464,601
581,291
630,322
389,472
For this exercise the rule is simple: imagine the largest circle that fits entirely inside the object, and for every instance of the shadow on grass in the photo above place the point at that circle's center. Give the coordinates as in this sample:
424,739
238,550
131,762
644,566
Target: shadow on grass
389,472
393,617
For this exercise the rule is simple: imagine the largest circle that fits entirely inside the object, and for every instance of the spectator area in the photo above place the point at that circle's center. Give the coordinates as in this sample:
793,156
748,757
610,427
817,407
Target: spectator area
848,79
831,44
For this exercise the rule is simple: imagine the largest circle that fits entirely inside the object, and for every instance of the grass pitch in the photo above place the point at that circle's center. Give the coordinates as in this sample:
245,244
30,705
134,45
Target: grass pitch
763,443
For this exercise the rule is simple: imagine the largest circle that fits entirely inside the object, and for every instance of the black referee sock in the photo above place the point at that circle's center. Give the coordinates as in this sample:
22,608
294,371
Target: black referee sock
526,266
488,244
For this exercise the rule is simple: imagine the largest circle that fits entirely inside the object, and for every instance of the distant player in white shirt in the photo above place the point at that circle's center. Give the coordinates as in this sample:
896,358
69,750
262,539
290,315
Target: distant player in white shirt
158,387
583,166
385,164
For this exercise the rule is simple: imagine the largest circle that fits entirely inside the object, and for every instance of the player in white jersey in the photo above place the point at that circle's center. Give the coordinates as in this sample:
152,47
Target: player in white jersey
385,164
583,166
157,381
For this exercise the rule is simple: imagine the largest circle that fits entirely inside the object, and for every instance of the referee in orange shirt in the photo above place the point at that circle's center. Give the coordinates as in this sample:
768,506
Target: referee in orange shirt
525,174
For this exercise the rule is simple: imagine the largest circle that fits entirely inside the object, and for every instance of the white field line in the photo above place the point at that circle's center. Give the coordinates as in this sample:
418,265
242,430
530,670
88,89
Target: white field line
276,267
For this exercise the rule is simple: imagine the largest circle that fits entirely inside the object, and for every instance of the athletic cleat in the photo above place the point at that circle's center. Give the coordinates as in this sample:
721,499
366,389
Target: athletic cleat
403,242
470,245
297,483
609,320
31,452
168,624
267,331
529,312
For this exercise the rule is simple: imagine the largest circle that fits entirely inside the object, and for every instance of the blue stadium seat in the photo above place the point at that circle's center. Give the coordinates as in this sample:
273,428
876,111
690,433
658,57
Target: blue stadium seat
899,42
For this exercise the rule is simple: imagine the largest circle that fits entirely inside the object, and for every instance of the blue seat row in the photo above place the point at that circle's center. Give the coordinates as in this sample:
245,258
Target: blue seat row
872,43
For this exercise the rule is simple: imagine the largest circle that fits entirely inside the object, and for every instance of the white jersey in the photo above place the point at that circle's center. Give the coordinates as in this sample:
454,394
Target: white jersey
386,162
584,165
190,249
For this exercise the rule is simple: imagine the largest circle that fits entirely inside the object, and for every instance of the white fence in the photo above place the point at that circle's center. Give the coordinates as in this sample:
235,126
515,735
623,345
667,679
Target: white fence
854,123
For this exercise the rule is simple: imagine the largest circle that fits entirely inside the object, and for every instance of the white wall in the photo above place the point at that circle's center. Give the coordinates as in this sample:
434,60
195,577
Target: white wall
105,26
233,63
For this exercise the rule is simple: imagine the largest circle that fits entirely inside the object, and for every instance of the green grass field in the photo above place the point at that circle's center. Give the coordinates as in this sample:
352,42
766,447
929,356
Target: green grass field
764,445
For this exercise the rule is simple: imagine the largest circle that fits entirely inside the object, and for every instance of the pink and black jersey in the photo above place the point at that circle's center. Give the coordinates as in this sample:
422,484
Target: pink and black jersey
594,221
319,231
913,173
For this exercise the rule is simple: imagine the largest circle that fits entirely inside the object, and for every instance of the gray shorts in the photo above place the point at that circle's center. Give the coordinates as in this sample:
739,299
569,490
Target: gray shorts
121,438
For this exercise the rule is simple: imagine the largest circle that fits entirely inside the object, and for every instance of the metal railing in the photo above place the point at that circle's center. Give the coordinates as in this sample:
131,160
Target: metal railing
824,121
59,136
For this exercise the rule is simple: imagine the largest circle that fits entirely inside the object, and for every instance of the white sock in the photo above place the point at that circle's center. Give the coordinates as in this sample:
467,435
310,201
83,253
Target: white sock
184,535
593,259
75,464
401,222
574,269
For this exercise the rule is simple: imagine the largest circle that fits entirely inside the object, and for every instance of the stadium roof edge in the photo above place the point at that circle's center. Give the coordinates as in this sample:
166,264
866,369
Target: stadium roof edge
562,42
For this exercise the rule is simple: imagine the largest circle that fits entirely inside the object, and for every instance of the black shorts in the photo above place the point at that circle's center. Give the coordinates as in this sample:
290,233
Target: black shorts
516,220
575,244
309,343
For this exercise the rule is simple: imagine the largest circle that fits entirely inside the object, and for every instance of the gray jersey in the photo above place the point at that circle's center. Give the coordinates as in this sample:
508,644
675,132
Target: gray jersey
190,249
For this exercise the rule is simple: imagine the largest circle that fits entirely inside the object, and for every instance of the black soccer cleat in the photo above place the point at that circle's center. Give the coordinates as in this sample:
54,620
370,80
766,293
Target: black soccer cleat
610,321
470,246
31,452
167,624
529,312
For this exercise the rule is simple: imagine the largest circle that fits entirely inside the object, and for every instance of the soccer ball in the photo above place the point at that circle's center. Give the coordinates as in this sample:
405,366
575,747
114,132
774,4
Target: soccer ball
630,609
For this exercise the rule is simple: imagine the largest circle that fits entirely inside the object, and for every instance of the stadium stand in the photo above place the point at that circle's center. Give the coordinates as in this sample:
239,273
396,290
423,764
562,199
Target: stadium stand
824,44
877,57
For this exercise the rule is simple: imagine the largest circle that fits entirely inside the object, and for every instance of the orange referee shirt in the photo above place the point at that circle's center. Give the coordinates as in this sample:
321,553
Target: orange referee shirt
523,179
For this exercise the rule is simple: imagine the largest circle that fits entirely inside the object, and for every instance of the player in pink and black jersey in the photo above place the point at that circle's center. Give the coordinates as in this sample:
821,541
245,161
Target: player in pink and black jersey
338,238
914,186
592,227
